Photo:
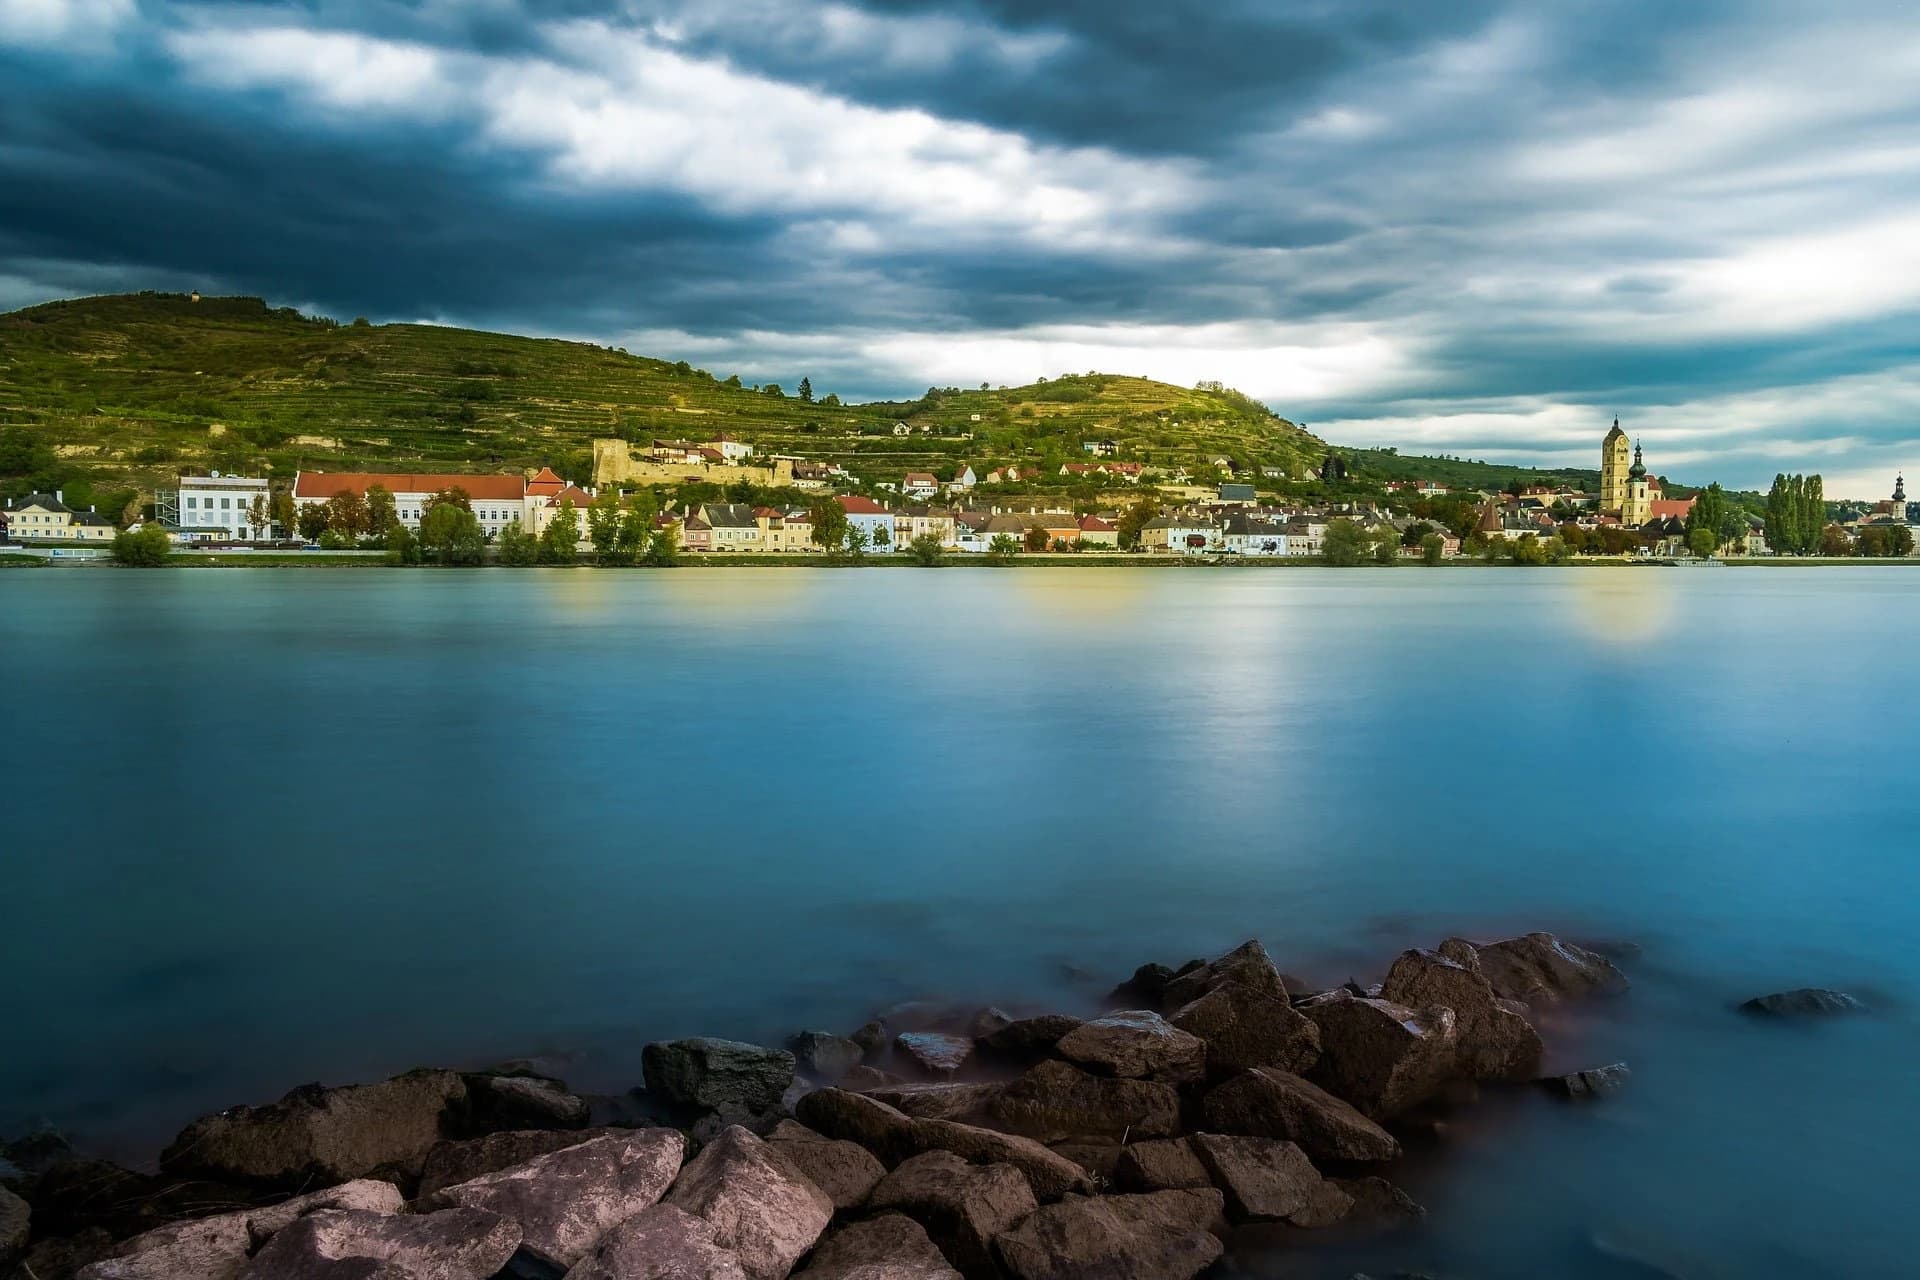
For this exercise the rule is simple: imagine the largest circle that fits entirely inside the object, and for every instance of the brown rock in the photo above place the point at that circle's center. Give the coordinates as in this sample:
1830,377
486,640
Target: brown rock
946,1100
1247,964
720,1075
934,1053
889,1247
455,1244
1582,1086
986,1021
1135,1044
1024,1039
1169,1164
502,1102
758,1206
1380,1056
1266,1103
1148,985
659,1243
1049,1173
855,1117
1098,1159
1495,1042
1540,968
1245,1027
61,1257
1057,1102
1378,1203
962,1206
450,1163
864,1077
565,1200
1143,1237
846,1171
217,1247
15,1219
1270,1180
824,1056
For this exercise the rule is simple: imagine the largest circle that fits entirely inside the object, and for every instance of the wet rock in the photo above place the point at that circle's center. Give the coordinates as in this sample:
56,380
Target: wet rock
889,1247
1495,1041
659,1243
1141,1237
1380,1056
1024,1039
502,1102
1378,1203
563,1201
317,1134
846,1171
826,1057
15,1219
1270,1180
962,1206
1595,1082
758,1205
933,1053
1245,1027
1057,1102
1169,1164
1267,1103
871,1036
1804,1002
450,1163
1147,986
986,1021
454,1244
1247,964
939,1101
864,1078
1541,969
718,1075
217,1247
1135,1044
855,1117
1049,1173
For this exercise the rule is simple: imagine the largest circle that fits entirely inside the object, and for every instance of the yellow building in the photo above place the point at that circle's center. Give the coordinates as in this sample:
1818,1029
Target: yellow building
1637,508
45,517
1614,454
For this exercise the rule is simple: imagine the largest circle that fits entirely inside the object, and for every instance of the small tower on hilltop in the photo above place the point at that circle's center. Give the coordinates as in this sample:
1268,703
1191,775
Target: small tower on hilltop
1613,469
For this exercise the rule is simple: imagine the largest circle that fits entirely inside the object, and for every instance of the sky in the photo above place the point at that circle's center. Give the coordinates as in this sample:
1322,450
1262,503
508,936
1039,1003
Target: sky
1478,228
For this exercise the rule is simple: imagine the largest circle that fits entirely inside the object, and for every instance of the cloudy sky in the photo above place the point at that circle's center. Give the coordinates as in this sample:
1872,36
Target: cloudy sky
1477,227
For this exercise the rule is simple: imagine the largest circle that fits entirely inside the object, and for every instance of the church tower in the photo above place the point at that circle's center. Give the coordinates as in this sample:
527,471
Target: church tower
1637,509
1614,452
1900,499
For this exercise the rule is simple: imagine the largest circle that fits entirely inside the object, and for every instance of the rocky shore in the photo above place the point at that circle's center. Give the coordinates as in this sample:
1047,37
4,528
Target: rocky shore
1217,1102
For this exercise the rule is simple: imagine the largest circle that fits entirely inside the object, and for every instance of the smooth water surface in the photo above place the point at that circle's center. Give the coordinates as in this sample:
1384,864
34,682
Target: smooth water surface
263,827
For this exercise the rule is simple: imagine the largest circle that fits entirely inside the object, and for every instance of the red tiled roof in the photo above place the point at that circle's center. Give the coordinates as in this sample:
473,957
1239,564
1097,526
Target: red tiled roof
572,493
921,477
324,484
546,482
855,505
1663,508
1094,524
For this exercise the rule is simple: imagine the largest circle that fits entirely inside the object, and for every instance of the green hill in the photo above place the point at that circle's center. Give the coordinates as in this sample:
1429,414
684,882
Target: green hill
121,393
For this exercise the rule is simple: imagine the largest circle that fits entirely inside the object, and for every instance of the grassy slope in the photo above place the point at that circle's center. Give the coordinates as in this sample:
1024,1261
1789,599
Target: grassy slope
132,389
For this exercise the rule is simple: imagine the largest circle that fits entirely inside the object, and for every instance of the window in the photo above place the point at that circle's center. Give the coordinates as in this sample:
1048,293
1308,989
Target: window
191,503
226,504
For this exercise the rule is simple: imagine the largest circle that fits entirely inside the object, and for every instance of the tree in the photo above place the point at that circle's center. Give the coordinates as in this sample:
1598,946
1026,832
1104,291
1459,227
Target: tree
1037,538
854,542
1002,549
829,521
281,511
1415,533
1386,545
603,526
1136,519
453,496
1529,550
663,549
1709,513
630,543
381,517
1432,548
1344,543
773,389
259,516
1796,515
1574,536
145,547
1835,542
831,399
347,513
926,550
1899,540
402,546
312,521
560,540
1703,541
806,391
450,533
517,546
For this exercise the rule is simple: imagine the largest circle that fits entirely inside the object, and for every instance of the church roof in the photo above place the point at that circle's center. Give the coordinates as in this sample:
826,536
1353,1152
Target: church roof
1616,433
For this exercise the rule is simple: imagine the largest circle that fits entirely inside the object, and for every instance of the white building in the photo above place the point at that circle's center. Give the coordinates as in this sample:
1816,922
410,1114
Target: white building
217,507
497,501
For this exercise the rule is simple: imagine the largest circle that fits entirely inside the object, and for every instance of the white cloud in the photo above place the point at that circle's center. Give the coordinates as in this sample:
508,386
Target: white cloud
334,69
57,24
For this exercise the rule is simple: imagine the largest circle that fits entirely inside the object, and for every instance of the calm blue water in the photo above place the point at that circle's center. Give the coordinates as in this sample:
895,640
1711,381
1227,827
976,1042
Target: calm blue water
266,827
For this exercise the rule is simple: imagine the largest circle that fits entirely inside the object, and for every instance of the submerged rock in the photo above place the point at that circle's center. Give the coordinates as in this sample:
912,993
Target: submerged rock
1378,1203
718,1075
1380,1056
1147,986
826,1057
889,1247
1268,1103
1135,1044
934,1053
1540,968
760,1208
1158,1236
659,1243
454,1244
962,1206
1270,1180
1496,1042
1596,1082
1058,1102
1803,1002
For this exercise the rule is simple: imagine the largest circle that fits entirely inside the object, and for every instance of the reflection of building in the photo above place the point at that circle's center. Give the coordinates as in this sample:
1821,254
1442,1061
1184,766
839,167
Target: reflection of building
1614,452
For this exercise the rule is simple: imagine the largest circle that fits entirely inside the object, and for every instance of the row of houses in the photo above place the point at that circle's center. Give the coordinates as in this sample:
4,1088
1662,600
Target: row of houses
732,527
46,517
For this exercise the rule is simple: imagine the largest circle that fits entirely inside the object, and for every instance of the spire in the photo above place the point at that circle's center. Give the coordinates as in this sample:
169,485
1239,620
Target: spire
1639,468
1899,489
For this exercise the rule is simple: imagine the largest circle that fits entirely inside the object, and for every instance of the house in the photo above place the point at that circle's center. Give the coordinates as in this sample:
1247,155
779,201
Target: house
964,481
1236,493
45,517
497,501
1128,471
1098,535
902,429
1063,527
542,508
1006,525
1100,448
728,448
817,475
919,484
216,507
921,521
1246,534
1193,536
732,526
1153,534
970,531
873,520
695,533
1306,536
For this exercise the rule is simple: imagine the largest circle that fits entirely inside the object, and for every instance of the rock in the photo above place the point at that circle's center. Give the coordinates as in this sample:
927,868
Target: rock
925,1015
659,1243
717,1075
1247,964
889,1247
855,1117
962,1206
450,1163
1380,1056
1050,1174
1378,1203
1024,1039
1541,969
1169,1164
1137,1237
865,1077
1057,1102
1096,1158
934,1053
217,1247
563,1201
826,1057
15,1220
939,1101
846,1171
1805,1002
1270,1180
323,1135
1135,1044
1595,1082
62,1257
871,1036
501,1102
454,1244
1267,1103
758,1205
1244,1027
1147,985
986,1021
1496,1042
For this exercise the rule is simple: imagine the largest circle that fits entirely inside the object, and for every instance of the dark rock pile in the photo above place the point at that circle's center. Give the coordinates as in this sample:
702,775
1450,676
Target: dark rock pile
930,1144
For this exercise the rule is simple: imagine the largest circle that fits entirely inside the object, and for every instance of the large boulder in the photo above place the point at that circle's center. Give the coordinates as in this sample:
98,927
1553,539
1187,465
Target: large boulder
1165,1164
15,1218
1380,1056
1048,1172
1247,1027
846,1171
1268,1180
317,1134
1594,1082
563,1201
962,1206
1135,1044
1803,1002
940,1101
1024,1039
889,1247
217,1247
759,1206
1266,1103
1157,1236
826,1057
1541,969
1496,1040
1247,964
1148,985
499,1102
455,1244
933,1053
1057,1102
855,1117
462,1161
661,1242
717,1075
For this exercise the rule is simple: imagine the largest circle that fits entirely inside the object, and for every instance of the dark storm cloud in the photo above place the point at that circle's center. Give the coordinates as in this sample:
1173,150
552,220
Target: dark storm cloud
1487,223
